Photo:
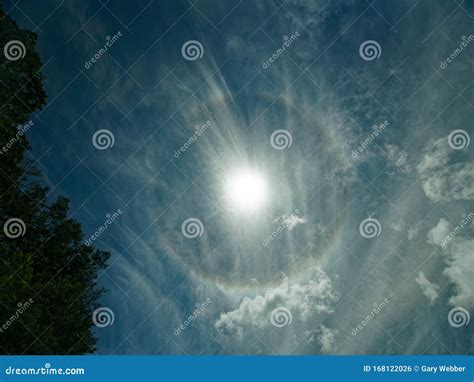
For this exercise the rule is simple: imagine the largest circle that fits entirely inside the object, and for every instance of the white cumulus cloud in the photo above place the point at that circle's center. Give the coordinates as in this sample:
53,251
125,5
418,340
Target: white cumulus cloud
291,221
441,180
460,271
429,289
303,301
438,233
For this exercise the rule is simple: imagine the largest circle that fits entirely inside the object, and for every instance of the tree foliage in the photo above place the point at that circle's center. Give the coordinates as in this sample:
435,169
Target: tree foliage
48,287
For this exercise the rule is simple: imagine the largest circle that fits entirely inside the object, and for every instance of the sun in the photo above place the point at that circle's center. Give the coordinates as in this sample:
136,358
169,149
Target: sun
246,190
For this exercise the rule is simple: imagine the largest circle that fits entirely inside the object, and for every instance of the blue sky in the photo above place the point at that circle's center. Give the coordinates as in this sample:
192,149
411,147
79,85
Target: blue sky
394,103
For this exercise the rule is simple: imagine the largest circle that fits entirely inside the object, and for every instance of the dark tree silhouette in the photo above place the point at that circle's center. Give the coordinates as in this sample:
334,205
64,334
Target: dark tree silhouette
48,287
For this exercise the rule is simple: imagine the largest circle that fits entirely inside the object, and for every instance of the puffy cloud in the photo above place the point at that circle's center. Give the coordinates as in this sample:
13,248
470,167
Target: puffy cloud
460,271
435,155
454,182
412,232
459,265
291,221
327,339
397,156
302,300
429,289
437,234
442,180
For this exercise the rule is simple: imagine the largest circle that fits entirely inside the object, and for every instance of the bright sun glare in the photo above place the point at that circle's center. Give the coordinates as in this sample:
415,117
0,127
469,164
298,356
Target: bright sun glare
246,190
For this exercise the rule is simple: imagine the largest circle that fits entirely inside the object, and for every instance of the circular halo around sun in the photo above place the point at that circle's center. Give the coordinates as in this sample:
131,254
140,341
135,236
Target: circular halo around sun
246,190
